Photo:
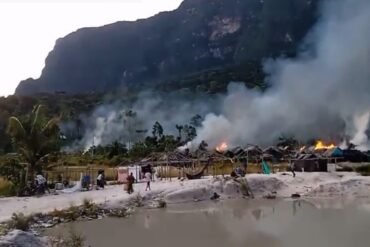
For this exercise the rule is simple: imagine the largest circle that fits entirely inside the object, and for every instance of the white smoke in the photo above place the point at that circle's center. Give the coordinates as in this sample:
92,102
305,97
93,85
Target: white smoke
361,124
322,93
316,95
131,122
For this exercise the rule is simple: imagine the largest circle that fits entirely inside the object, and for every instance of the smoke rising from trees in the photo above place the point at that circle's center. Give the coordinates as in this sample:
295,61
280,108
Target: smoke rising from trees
322,93
318,94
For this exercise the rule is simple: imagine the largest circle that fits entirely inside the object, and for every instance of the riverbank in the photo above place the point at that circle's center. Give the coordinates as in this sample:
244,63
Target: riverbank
312,185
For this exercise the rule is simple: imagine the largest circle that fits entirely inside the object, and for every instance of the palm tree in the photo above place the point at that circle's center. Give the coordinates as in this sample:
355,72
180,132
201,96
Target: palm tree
35,137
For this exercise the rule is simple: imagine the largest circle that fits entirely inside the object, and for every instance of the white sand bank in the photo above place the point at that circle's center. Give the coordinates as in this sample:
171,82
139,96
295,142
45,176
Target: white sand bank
312,185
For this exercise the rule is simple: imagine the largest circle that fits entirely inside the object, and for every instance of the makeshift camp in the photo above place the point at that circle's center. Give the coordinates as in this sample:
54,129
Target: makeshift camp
334,153
146,168
273,154
355,156
253,153
123,173
310,163
199,174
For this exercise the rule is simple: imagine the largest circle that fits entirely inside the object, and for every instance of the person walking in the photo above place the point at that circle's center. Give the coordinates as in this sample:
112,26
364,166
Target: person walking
292,168
148,179
130,182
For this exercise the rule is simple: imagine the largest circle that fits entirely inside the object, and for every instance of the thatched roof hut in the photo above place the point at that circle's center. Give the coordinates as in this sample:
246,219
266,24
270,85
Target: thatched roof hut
310,163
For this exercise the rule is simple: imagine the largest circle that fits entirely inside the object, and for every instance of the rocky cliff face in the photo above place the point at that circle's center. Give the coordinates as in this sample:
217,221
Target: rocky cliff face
199,35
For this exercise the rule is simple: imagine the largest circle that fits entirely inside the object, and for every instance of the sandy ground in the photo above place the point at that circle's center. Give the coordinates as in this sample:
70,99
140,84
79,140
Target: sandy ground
309,185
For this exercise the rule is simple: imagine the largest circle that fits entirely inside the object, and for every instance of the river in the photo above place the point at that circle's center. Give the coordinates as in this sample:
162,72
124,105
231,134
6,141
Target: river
264,223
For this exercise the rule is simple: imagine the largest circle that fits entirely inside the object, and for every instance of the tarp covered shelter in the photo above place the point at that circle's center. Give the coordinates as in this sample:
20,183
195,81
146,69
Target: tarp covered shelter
334,153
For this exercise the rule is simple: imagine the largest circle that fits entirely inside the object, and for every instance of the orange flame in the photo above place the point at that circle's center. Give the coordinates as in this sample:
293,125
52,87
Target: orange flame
222,147
320,145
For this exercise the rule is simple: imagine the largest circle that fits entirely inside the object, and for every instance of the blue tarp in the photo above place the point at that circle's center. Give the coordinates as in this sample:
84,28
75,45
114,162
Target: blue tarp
265,168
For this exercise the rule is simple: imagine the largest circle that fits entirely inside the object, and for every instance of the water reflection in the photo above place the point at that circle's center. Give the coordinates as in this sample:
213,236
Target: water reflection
295,204
266,223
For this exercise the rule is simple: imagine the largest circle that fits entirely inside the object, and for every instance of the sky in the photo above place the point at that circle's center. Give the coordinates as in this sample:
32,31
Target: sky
29,29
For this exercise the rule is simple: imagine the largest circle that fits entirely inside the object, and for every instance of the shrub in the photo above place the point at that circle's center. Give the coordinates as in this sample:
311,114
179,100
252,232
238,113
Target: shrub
7,188
87,203
74,239
20,222
162,203
364,170
136,201
72,213
12,178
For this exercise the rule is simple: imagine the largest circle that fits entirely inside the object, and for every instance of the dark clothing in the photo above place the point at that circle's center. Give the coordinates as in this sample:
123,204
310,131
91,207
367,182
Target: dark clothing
233,174
100,183
130,188
147,186
292,169
130,181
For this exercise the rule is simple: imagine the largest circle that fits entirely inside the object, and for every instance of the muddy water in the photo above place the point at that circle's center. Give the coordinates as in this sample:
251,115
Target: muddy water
234,223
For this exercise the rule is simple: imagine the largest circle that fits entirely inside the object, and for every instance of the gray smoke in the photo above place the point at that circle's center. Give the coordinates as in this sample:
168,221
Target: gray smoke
322,93
127,122
319,94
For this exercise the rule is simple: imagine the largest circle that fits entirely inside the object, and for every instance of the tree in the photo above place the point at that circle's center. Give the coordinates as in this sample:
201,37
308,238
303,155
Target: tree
179,129
116,148
34,137
139,150
287,141
157,130
196,121
190,133
203,146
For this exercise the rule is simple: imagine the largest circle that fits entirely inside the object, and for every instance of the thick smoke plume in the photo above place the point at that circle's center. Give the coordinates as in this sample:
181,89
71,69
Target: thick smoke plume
130,122
323,93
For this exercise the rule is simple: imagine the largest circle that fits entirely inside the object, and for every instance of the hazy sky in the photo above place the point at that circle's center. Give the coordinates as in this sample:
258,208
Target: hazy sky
29,29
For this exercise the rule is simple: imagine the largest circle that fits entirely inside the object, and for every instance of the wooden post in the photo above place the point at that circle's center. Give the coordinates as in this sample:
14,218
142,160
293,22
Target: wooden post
222,168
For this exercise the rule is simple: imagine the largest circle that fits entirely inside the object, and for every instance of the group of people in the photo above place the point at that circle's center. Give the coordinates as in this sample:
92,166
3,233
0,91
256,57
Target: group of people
100,181
40,185
131,180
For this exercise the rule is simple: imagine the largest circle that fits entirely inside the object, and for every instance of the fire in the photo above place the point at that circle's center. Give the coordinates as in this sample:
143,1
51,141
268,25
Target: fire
222,147
320,145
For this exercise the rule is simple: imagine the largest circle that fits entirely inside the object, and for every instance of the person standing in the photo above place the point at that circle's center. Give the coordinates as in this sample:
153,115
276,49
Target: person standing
148,179
130,182
41,184
100,180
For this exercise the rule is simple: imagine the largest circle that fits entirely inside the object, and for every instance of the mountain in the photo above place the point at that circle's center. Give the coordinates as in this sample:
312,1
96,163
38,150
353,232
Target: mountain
200,36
